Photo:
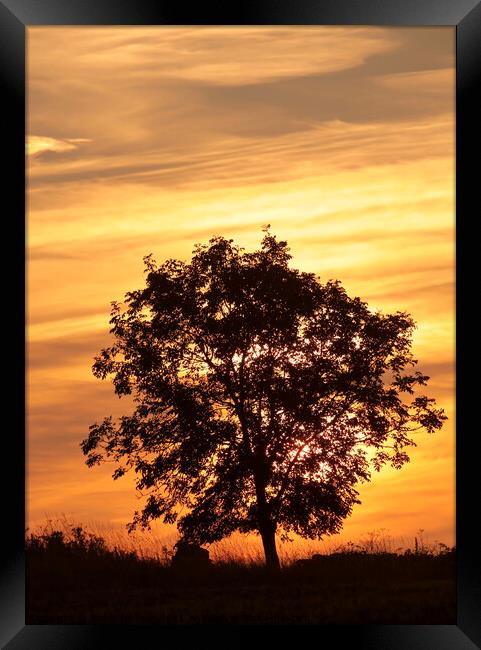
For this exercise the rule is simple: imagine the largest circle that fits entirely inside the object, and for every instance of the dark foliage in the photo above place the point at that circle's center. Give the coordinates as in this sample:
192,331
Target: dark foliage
262,396
82,582
190,556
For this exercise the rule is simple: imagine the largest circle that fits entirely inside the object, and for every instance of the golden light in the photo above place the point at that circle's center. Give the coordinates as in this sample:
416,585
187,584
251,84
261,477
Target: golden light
149,139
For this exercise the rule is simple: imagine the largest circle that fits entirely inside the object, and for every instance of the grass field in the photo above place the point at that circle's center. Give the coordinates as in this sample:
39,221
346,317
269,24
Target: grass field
74,577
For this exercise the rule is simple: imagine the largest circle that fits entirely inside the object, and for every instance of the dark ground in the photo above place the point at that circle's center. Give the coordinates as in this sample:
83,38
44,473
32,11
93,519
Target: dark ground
80,581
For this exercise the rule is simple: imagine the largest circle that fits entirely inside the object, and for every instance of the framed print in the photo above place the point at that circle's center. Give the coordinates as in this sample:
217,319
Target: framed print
253,226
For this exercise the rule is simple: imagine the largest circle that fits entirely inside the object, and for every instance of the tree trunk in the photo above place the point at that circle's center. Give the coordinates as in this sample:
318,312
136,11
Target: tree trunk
268,535
267,528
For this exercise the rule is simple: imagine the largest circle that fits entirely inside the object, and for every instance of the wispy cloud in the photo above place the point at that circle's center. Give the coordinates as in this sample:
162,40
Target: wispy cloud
37,145
219,55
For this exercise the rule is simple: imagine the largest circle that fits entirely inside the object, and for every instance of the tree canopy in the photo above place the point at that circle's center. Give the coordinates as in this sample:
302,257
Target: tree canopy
262,396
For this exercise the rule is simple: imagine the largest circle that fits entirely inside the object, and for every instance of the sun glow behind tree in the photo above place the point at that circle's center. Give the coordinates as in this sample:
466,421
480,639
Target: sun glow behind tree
258,392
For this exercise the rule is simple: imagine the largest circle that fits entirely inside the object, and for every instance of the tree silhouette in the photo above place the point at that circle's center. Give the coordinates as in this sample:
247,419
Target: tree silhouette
262,396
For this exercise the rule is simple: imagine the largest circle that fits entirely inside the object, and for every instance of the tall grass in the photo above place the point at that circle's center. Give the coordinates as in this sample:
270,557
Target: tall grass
74,576
240,549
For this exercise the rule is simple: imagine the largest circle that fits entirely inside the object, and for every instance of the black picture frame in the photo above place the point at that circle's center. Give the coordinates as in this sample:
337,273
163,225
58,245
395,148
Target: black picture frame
465,17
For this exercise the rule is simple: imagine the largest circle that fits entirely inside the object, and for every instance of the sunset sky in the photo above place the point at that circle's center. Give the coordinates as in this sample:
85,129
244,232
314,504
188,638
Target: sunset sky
151,139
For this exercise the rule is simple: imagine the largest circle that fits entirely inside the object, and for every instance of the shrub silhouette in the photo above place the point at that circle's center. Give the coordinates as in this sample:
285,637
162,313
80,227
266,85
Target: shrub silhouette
81,583
262,395
190,556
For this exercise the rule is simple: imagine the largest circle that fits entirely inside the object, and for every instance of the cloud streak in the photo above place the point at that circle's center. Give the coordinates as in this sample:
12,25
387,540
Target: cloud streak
38,145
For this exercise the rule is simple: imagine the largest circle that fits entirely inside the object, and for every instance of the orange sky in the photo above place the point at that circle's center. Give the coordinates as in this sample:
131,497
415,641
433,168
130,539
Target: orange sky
150,139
